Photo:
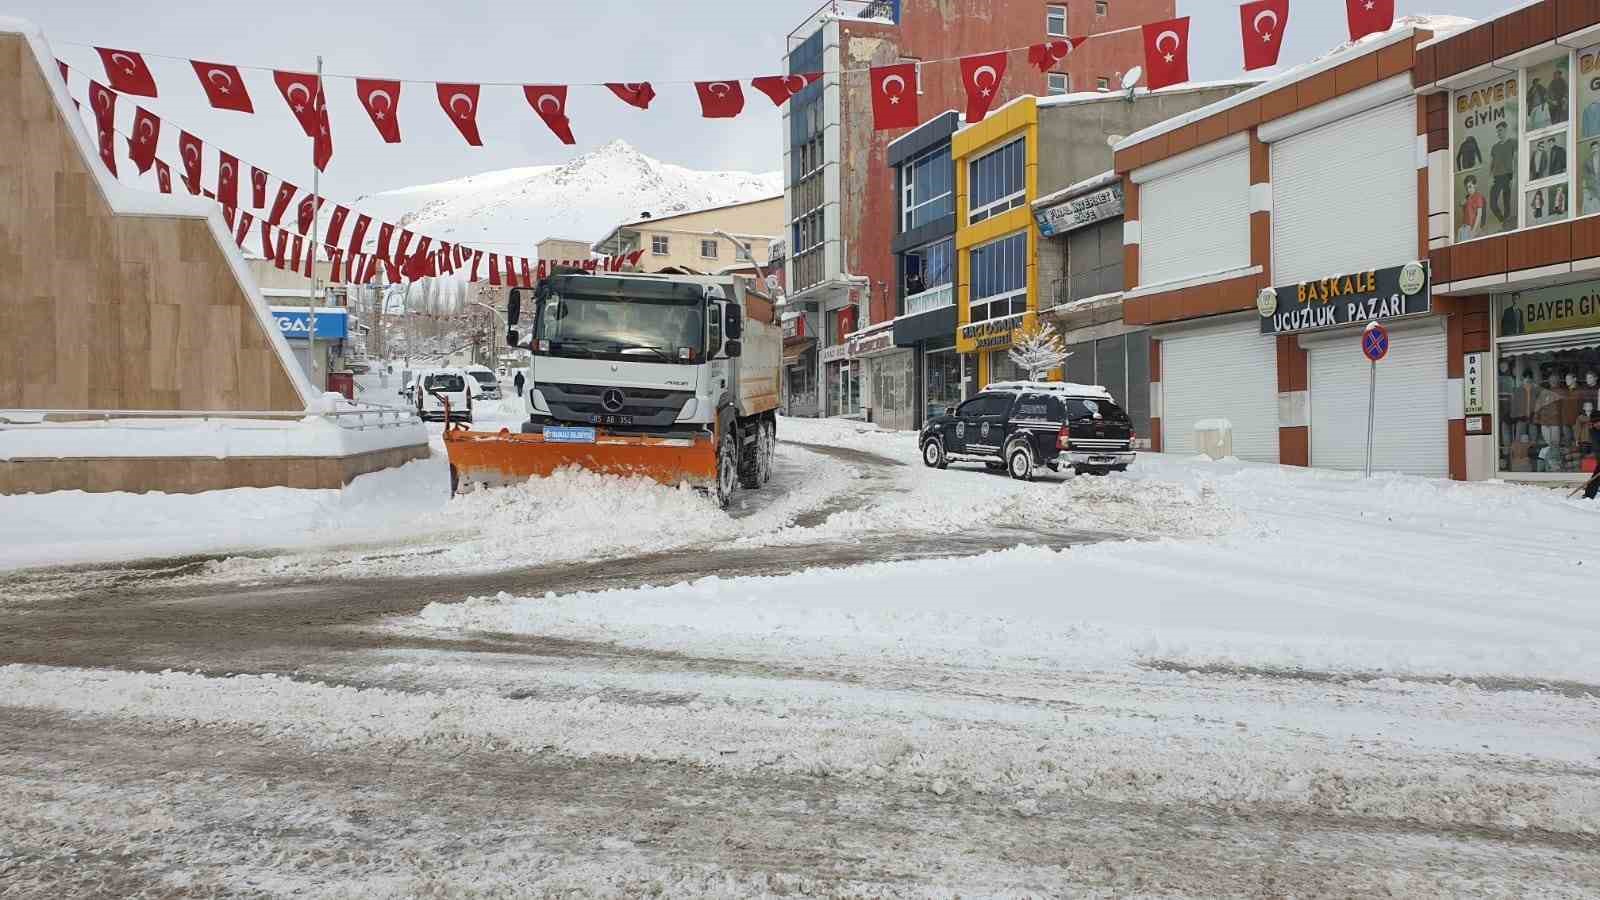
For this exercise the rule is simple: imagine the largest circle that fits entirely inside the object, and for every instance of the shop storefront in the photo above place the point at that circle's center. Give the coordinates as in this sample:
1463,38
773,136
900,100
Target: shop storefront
1545,382
941,378
841,381
333,329
799,366
888,375
986,349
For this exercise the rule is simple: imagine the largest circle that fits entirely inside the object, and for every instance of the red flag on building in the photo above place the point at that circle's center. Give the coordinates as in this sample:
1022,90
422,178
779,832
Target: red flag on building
358,233
223,85
244,227
550,102
258,188
385,234
1261,24
381,99
163,177
720,99
460,103
146,134
894,96
1369,17
1045,56
306,100
190,150
1166,53
981,75
280,204
103,103
228,179
636,93
127,72
779,88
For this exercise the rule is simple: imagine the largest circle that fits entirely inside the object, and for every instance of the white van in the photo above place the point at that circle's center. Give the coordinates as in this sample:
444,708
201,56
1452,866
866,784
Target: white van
488,384
434,386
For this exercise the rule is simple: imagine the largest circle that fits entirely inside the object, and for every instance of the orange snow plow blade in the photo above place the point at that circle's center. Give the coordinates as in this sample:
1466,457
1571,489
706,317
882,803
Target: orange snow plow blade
497,458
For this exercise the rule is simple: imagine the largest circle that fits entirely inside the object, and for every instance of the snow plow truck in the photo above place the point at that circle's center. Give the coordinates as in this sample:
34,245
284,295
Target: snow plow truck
670,377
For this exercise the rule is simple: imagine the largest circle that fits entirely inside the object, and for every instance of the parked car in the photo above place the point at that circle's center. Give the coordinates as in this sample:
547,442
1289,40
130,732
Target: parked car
1023,426
486,381
434,386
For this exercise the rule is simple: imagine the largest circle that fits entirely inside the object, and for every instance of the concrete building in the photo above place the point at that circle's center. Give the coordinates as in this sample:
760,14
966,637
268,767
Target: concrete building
688,241
1264,232
562,249
840,201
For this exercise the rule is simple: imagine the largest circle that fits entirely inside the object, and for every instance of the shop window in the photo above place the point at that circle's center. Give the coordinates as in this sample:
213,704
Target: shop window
1000,278
659,245
943,377
996,182
1055,21
1548,380
1002,368
1058,83
929,190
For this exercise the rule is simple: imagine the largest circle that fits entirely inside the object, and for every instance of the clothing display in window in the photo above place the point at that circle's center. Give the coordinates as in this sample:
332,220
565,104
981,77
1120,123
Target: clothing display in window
1547,402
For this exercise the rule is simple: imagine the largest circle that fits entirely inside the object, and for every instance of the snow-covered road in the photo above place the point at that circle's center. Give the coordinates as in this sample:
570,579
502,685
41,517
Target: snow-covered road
1198,679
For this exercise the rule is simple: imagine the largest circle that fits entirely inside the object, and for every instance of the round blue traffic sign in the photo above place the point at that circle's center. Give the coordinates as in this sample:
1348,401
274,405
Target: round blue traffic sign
1375,342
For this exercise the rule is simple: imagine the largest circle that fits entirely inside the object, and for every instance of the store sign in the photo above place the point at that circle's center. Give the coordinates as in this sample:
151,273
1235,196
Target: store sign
835,353
1080,211
332,325
794,328
1486,159
1476,401
868,344
1372,296
993,334
1551,309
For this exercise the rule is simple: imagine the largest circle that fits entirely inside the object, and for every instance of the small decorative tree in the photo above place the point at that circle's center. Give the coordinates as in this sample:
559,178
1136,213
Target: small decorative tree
1037,350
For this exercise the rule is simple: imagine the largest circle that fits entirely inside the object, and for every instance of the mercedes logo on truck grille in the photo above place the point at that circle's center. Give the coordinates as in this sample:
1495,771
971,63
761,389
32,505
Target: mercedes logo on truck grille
612,400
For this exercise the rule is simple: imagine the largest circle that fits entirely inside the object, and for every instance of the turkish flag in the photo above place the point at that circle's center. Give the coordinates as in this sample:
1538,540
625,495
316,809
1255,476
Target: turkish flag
336,223
103,103
108,149
1261,24
494,268
1045,56
779,88
637,93
266,240
720,99
163,177
391,270
381,99
385,234
550,102
146,132
61,64
423,245
335,258
258,188
981,76
894,96
477,257
128,73
358,234
460,103
1166,53
370,270
294,253
190,150
1366,17
227,216
405,241
280,204
306,213
228,179
279,252
634,257
309,105
224,86
244,227
527,280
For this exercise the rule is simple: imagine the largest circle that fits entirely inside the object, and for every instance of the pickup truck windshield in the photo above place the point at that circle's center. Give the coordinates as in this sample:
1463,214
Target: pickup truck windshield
626,329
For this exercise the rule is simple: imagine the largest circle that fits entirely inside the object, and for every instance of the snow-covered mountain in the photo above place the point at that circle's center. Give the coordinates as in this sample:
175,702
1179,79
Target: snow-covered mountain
582,199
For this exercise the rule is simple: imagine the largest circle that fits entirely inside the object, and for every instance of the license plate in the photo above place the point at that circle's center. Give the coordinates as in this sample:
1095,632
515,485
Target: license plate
1102,459
611,420
560,434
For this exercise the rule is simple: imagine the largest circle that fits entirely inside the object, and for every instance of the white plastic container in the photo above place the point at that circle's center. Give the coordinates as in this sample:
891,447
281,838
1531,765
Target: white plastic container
1214,438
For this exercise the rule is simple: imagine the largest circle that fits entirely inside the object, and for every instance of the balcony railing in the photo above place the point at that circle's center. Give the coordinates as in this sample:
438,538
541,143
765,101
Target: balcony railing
930,300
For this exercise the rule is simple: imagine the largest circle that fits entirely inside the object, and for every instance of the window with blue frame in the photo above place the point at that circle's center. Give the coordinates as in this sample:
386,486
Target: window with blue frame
996,182
1000,278
929,189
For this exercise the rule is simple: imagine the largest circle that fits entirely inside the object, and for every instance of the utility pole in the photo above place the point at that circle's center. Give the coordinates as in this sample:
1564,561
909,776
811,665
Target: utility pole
316,221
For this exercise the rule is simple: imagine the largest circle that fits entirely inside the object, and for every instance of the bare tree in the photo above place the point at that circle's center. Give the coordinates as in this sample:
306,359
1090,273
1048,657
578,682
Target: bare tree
1038,350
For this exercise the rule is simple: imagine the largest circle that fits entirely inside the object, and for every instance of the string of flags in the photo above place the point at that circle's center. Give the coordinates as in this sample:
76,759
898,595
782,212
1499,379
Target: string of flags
1166,54
399,254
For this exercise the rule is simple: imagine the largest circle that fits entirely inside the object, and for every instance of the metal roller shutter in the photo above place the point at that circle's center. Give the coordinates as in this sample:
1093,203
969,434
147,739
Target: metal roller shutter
1224,373
1324,184
1410,424
1196,221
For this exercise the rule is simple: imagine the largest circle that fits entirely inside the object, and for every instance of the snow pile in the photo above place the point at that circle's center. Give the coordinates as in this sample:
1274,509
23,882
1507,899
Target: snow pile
583,198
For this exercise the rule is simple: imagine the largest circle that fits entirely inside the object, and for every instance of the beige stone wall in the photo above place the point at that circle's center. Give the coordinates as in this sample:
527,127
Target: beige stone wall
106,311
191,475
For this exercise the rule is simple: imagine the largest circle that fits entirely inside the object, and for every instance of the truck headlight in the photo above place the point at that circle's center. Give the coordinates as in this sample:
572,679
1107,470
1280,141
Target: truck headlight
536,399
689,409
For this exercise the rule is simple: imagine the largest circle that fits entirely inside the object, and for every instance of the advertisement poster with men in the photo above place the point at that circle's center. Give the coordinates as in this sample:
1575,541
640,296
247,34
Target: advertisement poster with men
1546,103
1588,161
1487,170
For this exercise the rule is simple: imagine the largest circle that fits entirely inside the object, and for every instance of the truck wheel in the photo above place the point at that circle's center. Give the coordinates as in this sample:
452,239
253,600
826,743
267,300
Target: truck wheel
750,459
727,470
767,448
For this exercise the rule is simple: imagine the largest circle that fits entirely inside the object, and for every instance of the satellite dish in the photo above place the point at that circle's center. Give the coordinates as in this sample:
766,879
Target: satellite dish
1130,79
772,284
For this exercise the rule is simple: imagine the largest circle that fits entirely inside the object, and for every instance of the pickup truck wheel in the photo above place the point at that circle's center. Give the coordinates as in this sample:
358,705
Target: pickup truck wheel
933,455
727,470
1019,462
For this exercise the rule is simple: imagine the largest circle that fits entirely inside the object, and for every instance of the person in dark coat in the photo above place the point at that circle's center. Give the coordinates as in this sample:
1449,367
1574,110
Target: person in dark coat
519,381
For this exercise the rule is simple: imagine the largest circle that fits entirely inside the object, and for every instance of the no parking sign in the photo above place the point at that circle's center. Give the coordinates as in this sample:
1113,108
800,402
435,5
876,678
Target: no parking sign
1374,346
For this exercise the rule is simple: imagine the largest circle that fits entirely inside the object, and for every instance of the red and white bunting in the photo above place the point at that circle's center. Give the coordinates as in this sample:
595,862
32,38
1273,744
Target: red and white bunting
779,88
720,99
549,101
223,85
381,99
981,75
127,72
1261,25
1166,53
460,103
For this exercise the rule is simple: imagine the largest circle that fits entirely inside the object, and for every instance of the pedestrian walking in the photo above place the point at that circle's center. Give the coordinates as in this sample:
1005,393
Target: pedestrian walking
519,381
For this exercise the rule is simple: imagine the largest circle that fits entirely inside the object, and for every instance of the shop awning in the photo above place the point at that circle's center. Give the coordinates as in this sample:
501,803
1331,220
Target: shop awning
793,352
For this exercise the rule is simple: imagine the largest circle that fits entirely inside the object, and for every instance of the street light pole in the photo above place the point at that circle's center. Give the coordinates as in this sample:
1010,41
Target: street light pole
749,251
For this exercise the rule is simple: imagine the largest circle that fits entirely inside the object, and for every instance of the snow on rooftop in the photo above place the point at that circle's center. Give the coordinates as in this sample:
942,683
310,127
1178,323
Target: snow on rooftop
1090,96
1069,388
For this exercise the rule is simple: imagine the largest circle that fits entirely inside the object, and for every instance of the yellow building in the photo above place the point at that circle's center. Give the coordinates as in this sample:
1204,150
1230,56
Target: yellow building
997,164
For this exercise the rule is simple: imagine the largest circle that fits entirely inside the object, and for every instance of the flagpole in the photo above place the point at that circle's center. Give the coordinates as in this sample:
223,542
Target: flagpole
316,216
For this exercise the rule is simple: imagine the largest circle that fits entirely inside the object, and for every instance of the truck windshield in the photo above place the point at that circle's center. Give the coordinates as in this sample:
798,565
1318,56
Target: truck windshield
629,329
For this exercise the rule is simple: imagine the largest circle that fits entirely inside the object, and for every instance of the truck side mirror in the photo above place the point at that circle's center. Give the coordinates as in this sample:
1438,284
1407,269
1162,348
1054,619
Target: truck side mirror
735,323
512,337
734,349
514,307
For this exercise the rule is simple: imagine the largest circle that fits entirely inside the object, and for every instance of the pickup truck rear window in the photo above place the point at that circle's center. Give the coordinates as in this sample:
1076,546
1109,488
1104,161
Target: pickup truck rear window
1095,409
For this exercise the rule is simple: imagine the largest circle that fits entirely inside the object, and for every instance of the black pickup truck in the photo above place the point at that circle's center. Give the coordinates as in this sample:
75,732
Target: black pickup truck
1022,427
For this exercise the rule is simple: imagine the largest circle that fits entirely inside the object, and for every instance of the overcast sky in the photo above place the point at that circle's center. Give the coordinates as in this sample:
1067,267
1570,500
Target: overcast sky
541,42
